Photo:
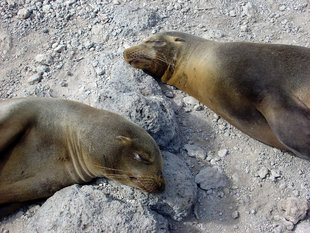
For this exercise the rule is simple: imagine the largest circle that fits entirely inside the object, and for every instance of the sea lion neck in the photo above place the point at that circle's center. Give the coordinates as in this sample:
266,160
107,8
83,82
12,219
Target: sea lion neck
176,60
82,168
185,66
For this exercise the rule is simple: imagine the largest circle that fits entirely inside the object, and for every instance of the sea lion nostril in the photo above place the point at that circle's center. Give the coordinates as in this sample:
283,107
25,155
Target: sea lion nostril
162,187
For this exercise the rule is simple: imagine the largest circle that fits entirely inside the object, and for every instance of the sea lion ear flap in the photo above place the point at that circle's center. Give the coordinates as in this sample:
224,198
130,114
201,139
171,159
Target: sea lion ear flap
124,140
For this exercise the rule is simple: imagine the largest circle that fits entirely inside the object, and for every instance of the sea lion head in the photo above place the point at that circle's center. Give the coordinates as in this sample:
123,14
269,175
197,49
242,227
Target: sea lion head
158,55
130,156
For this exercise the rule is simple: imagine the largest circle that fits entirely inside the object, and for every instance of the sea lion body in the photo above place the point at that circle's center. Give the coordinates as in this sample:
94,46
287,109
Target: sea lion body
262,89
47,144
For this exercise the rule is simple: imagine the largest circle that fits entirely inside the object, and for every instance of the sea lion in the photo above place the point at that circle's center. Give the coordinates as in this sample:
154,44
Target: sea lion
262,89
47,144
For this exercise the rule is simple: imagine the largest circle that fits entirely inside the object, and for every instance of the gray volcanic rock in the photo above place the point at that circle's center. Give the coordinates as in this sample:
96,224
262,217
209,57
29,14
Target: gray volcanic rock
294,209
111,206
84,209
176,202
141,100
181,191
211,178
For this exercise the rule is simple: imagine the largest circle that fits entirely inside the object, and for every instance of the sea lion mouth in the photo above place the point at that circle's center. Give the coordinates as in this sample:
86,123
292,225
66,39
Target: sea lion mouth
138,55
137,59
149,186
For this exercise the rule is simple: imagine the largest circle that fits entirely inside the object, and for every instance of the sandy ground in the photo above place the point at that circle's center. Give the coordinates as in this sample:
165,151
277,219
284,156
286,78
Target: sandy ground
73,34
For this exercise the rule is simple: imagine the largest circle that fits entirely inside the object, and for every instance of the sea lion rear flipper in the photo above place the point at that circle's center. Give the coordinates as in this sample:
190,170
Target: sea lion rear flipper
289,119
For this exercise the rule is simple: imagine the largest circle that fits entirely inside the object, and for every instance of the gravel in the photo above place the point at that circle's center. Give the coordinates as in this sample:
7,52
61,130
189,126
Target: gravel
218,179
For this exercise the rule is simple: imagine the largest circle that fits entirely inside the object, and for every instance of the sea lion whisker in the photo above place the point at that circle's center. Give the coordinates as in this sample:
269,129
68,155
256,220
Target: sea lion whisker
111,169
142,185
113,174
141,56
125,172
116,176
162,58
145,182
145,179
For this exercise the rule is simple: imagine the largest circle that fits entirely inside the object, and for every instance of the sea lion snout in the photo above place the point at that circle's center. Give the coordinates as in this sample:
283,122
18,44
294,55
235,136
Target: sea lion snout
149,183
161,188
150,186
139,56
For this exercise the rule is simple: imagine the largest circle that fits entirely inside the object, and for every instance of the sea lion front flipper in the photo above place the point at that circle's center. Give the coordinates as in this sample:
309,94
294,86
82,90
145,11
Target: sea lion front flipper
12,126
289,119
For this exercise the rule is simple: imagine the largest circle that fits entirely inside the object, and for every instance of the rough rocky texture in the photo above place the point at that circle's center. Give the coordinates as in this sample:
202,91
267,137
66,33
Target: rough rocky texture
178,199
109,206
76,47
210,178
303,227
180,196
294,209
140,100
85,209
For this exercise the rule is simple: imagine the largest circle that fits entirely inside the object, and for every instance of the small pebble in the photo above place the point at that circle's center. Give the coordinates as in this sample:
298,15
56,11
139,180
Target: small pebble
244,28
116,2
195,151
189,100
34,78
46,8
222,153
88,44
232,13
59,48
42,68
198,108
168,94
235,177
100,70
63,84
262,172
24,13
44,59
282,8
170,7
235,215
283,186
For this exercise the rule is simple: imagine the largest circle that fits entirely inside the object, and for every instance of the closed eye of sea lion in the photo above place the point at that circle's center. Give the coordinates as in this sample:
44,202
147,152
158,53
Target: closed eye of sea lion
47,144
262,89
